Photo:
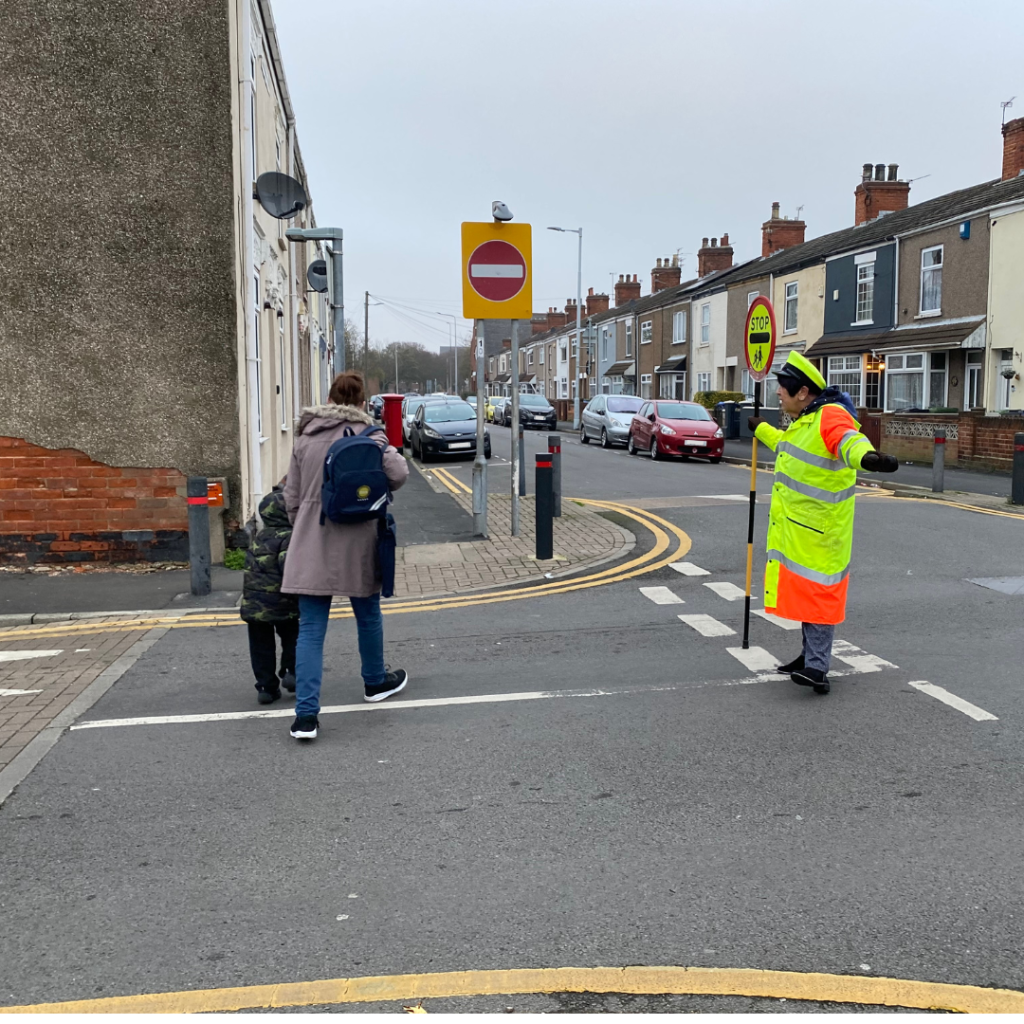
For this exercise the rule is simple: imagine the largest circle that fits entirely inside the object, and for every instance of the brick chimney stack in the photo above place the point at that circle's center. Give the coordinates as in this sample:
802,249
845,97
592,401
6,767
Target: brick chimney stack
877,195
570,312
665,274
555,318
713,257
626,290
538,323
1013,148
596,303
780,233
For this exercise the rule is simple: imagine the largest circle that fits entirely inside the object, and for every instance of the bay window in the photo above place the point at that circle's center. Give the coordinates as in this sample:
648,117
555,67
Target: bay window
916,381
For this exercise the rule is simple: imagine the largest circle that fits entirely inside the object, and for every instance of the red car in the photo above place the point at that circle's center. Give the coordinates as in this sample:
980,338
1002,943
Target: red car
675,428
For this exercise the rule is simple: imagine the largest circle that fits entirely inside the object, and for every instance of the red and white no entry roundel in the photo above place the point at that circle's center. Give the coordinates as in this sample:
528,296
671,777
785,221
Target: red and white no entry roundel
497,270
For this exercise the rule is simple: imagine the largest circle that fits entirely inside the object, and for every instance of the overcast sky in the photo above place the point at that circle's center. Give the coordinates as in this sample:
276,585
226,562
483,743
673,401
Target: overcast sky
649,123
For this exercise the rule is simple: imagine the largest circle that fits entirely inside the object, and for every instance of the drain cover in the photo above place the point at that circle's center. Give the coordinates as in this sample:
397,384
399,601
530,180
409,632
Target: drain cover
1004,584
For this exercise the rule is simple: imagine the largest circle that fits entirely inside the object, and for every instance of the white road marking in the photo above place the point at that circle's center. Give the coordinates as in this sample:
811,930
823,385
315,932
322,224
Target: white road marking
25,655
757,659
688,569
727,590
706,625
776,619
17,693
338,709
857,659
725,497
969,709
661,595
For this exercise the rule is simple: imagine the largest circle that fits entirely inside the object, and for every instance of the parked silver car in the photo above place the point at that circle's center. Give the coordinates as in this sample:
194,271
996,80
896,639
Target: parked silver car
607,418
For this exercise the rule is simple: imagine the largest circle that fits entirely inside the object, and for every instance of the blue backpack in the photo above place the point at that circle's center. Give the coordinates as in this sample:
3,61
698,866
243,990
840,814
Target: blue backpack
355,487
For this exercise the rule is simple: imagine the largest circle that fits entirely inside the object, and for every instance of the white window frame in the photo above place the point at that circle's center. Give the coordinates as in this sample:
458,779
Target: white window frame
792,296
529,358
840,370
972,380
540,355
896,365
281,375
646,332
747,384
563,388
679,327
1003,385
257,316
933,270
751,296
865,274
629,339
703,382
705,324
645,382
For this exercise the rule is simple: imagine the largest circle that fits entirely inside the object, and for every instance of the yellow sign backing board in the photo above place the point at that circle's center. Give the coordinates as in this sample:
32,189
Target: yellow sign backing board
759,338
497,273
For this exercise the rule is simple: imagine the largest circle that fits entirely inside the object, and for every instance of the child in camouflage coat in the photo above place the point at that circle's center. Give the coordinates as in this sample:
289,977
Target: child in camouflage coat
264,608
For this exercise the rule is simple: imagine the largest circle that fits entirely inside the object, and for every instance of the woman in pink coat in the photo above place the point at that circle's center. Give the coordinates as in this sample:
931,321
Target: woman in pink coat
334,559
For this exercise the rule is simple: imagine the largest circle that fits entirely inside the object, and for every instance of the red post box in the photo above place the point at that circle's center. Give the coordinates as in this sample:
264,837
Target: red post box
392,417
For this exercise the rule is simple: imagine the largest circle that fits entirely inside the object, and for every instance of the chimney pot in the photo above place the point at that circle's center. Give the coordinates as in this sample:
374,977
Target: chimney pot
704,243
620,277
893,168
658,263
865,174
714,243
725,238
675,260
879,172
775,211
590,291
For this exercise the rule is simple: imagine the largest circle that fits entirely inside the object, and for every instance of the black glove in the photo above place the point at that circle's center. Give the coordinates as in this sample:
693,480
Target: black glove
876,462
754,422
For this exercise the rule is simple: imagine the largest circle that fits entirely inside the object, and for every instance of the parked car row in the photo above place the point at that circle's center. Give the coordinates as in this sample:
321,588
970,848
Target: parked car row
661,427
440,425
534,411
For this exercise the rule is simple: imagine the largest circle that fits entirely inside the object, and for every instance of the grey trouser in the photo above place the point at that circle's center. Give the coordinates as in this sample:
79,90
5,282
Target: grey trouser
817,645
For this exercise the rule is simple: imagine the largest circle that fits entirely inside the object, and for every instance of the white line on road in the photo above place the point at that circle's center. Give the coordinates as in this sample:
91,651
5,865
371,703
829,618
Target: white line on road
706,625
661,595
727,590
17,693
857,659
725,497
757,659
338,709
776,619
25,655
688,569
969,709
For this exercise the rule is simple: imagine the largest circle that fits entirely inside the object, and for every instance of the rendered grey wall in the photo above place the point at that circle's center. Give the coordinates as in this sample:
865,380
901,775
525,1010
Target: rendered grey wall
117,310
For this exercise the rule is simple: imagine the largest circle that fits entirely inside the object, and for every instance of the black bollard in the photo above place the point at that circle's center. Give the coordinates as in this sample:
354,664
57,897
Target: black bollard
555,451
199,534
939,461
1017,486
544,506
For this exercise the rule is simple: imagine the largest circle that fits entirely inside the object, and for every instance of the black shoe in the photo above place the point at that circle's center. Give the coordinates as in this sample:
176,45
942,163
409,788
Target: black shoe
267,696
393,683
812,677
304,727
792,666
288,681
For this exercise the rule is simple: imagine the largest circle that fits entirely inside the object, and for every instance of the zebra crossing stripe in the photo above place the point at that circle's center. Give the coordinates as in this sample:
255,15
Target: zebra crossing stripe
661,595
727,590
707,625
757,659
776,620
688,569
857,659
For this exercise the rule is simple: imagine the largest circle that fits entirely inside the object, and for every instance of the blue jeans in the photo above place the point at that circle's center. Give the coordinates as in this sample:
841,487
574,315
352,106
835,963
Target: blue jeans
818,645
309,652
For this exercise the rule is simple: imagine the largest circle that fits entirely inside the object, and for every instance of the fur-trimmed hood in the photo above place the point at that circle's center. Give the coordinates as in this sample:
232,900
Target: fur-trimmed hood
326,417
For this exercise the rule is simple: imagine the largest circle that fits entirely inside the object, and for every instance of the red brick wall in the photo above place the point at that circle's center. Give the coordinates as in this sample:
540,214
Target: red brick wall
61,506
988,440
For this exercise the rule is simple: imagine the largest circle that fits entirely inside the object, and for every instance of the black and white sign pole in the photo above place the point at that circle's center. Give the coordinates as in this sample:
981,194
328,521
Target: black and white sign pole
479,462
750,523
513,439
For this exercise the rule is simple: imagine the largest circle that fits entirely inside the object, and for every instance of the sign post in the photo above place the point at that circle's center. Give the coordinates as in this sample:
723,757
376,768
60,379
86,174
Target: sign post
497,284
759,339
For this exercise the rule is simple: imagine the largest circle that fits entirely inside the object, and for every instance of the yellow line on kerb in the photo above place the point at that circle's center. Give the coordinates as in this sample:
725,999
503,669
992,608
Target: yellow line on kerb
833,988
664,532
452,482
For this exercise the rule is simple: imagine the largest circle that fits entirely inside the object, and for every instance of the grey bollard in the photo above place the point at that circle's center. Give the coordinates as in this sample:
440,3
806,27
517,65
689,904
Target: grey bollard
939,460
555,451
543,510
522,462
197,495
1017,486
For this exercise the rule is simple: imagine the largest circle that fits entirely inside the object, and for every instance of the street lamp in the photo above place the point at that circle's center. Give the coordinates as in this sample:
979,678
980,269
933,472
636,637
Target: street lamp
335,290
579,303
455,344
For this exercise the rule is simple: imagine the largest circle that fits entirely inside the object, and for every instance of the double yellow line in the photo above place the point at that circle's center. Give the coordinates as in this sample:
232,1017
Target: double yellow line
670,545
451,481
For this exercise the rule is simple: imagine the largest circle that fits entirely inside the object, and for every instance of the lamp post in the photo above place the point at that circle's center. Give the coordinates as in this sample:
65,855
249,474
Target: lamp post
579,304
455,344
335,289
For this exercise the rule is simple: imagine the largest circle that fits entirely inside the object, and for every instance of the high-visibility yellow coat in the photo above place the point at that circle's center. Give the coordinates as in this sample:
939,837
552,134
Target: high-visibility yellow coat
810,534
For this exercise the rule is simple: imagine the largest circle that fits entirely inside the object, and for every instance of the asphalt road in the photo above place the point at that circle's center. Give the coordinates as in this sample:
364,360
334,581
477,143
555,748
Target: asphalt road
693,813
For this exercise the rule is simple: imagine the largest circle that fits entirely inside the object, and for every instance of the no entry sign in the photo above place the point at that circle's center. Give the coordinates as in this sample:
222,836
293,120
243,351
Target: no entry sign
496,271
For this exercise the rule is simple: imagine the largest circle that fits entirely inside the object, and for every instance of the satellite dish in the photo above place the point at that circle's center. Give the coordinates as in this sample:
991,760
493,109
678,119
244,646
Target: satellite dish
280,195
316,275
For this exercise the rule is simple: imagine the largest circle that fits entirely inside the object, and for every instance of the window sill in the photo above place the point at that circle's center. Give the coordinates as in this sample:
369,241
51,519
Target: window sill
683,342
928,314
793,331
862,323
